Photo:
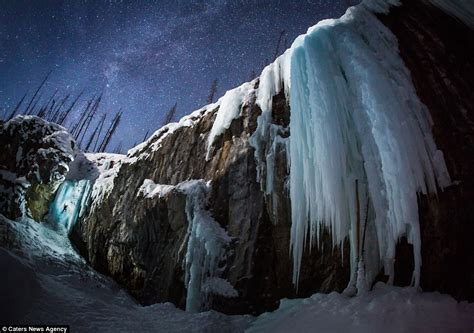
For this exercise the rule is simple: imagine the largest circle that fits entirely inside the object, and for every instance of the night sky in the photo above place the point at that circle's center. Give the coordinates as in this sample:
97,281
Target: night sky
144,55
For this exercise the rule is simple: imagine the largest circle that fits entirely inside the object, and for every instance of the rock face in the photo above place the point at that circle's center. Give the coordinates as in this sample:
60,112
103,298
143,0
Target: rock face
33,162
142,241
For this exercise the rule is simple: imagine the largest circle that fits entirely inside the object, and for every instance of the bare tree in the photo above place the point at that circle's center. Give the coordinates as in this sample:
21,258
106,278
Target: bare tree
55,112
146,135
110,132
280,39
46,109
101,126
31,110
76,127
94,133
64,115
17,107
118,148
212,92
169,117
91,115
27,110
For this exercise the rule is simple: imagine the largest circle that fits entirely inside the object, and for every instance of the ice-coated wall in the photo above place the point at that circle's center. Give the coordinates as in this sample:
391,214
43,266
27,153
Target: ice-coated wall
70,202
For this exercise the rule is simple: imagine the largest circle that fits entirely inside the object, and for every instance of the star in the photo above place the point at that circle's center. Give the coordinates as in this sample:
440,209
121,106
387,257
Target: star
147,55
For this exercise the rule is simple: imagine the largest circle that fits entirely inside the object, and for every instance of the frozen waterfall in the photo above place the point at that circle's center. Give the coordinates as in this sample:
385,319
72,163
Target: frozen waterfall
355,115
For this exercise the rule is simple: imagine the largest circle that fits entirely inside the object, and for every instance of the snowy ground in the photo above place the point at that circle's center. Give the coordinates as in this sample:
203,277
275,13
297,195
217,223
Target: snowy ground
384,309
44,281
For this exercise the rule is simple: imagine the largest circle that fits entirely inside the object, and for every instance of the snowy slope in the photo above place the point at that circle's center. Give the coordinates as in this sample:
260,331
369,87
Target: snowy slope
384,309
44,281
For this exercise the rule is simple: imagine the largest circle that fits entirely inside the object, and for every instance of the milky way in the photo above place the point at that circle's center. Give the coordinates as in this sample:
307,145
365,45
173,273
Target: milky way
144,55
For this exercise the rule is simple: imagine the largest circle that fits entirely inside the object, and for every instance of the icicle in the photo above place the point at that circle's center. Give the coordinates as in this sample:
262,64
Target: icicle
355,115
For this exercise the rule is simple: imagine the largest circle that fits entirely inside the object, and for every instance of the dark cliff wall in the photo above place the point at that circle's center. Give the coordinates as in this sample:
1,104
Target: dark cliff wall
439,52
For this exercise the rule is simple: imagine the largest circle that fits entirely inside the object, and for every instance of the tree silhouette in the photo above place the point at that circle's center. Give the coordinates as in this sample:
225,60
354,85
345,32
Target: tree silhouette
212,92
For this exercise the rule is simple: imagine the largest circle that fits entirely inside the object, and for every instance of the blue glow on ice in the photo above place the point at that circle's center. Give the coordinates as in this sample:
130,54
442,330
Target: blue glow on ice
70,202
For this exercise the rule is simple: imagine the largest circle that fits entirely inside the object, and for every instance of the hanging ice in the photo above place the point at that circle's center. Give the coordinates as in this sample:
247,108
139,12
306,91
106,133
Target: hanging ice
70,202
355,115
462,10
267,138
206,247
74,194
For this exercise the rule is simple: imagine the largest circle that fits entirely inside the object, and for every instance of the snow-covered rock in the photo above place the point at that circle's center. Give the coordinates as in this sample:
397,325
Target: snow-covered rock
34,161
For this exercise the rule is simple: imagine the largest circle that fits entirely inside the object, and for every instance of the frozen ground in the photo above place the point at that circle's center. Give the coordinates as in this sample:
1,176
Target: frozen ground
384,309
44,281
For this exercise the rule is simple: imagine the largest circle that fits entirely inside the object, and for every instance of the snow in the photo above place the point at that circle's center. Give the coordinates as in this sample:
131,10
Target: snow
384,309
355,116
230,106
150,190
83,168
48,282
221,287
153,143
107,166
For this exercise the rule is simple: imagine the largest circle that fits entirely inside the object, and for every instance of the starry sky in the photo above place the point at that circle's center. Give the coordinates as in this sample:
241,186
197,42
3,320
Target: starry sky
144,55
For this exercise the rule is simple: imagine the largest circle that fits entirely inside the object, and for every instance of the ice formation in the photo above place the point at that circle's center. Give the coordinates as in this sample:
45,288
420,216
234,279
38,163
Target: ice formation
207,243
70,202
268,138
355,116
461,9
150,190
230,106
72,197
206,246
